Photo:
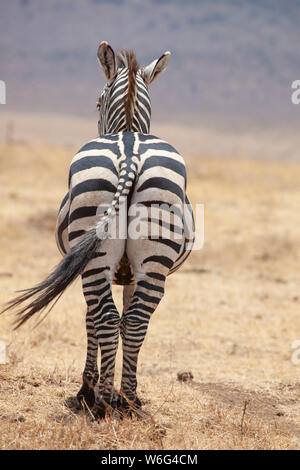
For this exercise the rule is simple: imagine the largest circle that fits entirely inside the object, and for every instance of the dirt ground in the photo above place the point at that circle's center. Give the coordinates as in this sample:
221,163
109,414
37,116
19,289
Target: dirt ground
230,316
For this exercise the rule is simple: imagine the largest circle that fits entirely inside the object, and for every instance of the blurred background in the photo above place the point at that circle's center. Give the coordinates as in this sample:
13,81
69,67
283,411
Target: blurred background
227,90
231,313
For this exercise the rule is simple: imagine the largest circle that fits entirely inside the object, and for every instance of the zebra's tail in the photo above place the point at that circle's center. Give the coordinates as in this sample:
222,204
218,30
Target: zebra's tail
73,263
49,290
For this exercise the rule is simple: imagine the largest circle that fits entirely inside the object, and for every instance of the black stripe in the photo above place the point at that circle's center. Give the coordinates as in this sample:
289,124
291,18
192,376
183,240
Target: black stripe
141,98
94,283
164,162
144,145
115,111
162,205
172,228
149,286
139,307
64,201
128,140
93,272
170,243
120,82
142,90
182,254
117,118
146,297
82,212
108,144
60,230
159,277
98,184
141,112
141,126
119,90
86,162
164,260
162,183
99,292
76,234
118,97
99,254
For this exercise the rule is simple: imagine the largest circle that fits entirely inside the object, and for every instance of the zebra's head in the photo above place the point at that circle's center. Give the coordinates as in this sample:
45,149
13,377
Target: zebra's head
124,103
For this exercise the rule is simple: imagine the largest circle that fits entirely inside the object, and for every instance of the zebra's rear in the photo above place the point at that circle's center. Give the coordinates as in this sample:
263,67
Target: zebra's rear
142,179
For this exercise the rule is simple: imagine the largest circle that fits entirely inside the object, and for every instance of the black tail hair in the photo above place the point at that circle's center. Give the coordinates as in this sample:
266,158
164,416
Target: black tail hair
49,290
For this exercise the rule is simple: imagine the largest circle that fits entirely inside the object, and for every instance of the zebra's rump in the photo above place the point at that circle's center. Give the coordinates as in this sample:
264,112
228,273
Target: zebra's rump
140,168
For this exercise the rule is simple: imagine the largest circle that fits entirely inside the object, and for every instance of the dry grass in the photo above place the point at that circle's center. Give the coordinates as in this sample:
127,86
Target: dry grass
229,316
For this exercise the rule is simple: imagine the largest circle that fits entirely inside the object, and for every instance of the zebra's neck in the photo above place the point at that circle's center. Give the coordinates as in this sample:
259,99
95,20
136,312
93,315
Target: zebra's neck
129,107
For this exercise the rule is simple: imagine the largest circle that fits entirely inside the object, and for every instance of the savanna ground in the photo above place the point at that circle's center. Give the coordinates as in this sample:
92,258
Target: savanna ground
229,316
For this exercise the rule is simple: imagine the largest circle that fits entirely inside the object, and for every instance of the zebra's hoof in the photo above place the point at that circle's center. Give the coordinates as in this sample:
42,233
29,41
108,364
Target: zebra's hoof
99,412
73,404
127,406
86,396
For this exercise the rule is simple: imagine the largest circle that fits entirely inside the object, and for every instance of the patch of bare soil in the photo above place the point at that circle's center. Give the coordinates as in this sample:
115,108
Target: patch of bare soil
259,404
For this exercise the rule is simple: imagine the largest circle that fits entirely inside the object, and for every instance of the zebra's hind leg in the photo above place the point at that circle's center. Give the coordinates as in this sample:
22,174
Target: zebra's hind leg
105,323
147,294
90,376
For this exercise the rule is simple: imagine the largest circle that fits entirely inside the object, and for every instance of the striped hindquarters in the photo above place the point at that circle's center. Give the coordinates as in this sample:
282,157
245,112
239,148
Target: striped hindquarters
141,166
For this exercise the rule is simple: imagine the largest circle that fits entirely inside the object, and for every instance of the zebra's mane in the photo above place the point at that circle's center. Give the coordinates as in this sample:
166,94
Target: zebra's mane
126,58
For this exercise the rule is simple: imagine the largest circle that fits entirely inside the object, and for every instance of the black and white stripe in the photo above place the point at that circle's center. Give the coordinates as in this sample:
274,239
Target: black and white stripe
120,168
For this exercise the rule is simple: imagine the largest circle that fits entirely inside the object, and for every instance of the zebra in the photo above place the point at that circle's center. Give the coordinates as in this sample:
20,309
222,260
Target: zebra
124,166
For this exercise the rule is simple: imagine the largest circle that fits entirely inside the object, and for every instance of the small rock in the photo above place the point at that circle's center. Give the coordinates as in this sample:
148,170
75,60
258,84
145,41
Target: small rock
13,418
185,376
19,418
6,274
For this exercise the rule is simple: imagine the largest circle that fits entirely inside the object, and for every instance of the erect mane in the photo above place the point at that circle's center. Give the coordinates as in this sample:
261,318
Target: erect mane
126,58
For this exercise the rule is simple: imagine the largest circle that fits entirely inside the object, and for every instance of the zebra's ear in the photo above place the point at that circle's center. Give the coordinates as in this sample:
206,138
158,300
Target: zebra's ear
151,71
106,57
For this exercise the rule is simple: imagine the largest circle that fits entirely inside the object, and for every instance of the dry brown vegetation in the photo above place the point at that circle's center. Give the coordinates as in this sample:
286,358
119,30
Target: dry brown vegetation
229,316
